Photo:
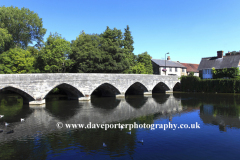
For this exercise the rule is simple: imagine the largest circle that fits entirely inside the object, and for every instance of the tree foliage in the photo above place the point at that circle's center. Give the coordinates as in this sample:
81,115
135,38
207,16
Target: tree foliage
191,74
53,57
139,68
5,37
86,53
114,60
23,25
145,59
128,46
16,60
102,53
225,72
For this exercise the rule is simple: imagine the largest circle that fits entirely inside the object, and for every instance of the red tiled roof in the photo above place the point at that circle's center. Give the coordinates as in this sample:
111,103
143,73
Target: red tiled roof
191,67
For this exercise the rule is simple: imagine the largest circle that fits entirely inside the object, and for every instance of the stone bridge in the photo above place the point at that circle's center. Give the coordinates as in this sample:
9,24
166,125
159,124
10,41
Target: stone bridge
35,87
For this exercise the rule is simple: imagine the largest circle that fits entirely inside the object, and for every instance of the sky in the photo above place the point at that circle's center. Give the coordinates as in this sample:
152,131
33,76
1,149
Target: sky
188,29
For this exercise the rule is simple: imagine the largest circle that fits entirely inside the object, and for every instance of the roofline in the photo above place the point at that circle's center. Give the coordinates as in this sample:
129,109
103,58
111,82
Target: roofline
167,65
189,63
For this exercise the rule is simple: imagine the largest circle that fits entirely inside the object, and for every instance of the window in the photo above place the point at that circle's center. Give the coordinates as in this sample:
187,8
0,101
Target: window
176,69
207,71
170,69
183,70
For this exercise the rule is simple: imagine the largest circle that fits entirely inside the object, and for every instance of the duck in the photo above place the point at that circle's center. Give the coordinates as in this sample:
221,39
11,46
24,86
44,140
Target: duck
1,131
140,141
6,124
9,132
1,116
104,145
22,119
129,133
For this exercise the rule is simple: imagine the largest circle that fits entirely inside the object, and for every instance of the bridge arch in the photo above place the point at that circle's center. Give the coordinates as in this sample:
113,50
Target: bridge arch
71,91
161,87
136,88
26,96
177,87
105,90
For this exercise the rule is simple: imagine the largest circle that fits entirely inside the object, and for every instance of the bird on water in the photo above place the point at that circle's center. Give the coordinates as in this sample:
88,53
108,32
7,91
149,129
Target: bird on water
104,145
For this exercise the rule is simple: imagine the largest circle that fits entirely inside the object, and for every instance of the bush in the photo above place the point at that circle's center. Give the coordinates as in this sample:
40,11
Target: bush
195,84
226,72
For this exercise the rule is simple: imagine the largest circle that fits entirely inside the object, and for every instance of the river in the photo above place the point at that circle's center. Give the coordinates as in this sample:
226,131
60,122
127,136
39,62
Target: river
167,126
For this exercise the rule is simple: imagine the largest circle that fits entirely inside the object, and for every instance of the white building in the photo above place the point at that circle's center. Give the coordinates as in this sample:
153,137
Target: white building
218,62
172,67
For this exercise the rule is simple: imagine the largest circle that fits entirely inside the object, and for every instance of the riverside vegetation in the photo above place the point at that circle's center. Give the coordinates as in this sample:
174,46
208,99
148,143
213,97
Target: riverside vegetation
224,81
108,52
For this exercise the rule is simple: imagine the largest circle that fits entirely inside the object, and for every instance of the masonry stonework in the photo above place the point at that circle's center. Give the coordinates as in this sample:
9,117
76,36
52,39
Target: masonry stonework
35,87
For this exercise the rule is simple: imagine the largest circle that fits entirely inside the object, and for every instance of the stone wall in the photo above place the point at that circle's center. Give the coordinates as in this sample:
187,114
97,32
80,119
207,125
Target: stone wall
35,87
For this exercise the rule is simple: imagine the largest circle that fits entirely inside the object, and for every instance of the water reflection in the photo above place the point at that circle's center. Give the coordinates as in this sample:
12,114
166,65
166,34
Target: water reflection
223,116
215,109
136,101
61,108
160,98
108,103
39,138
99,110
12,107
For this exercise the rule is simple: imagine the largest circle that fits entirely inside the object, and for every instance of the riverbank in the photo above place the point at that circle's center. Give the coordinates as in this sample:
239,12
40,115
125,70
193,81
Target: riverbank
195,84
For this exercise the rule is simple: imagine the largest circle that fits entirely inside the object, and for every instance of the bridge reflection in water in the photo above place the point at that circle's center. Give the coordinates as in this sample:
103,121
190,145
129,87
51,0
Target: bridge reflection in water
99,110
39,138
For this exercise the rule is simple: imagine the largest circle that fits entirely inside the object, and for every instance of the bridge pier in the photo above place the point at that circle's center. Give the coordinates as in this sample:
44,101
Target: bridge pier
169,91
85,98
38,102
147,93
121,95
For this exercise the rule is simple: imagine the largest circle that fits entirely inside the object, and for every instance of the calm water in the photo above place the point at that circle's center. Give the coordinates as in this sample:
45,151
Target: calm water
218,137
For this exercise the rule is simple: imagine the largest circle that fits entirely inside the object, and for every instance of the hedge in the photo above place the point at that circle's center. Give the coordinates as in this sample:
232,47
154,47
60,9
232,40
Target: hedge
195,84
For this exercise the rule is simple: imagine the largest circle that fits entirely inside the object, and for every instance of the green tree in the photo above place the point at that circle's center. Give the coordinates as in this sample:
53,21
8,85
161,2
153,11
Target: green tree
54,56
114,59
191,74
145,59
99,53
128,47
33,50
139,68
23,25
86,54
5,37
16,60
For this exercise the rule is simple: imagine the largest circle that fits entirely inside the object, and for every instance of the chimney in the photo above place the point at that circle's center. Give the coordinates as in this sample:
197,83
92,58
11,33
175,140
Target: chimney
219,54
168,58
228,54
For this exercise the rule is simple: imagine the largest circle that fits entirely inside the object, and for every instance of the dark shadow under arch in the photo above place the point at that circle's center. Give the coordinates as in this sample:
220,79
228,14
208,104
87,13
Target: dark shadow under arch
177,87
160,98
105,90
105,102
136,89
63,109
26,97
160,88
136,101
69,90
12,107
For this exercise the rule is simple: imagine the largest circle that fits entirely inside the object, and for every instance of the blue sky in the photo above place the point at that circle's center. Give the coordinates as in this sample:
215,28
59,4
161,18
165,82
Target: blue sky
187,29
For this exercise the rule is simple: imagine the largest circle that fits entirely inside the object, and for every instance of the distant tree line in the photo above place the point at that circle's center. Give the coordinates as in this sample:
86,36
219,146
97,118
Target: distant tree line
108,52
